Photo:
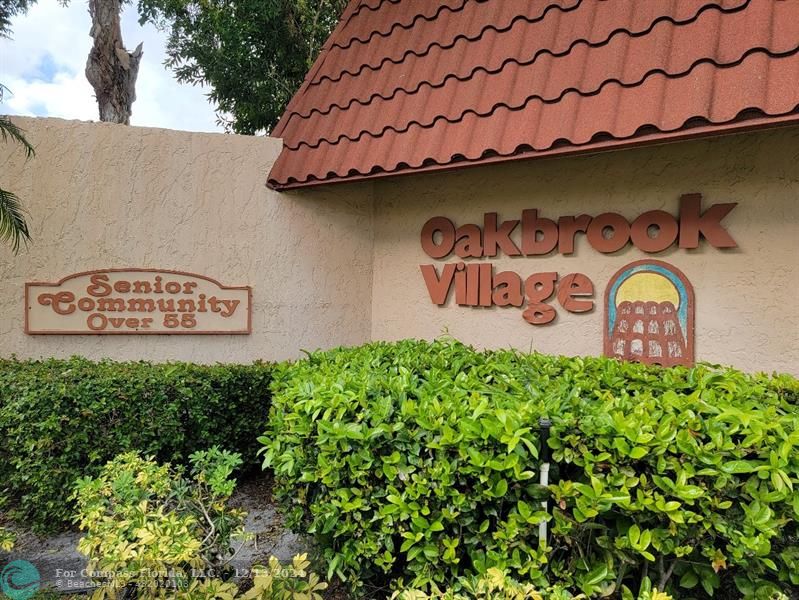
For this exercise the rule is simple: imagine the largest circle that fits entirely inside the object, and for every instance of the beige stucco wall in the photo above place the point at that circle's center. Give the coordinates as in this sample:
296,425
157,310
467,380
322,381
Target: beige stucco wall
339,265
746,298
110,196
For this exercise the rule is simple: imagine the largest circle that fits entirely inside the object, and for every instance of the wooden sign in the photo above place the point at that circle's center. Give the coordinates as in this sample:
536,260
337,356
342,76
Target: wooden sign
136,301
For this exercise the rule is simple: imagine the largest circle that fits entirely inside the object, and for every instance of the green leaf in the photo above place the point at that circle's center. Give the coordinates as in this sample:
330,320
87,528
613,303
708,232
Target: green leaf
689,492
689,580
710,582
634,534
525,510
420,523
596,576
739,467
500,489
13,226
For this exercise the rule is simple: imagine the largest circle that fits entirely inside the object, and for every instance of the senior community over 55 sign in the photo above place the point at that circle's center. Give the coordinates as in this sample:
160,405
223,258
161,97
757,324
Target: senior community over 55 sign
137,301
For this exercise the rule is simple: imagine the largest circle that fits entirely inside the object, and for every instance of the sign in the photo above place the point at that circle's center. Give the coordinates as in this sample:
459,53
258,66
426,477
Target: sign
652,231
477,284
137,301
649,305
649,314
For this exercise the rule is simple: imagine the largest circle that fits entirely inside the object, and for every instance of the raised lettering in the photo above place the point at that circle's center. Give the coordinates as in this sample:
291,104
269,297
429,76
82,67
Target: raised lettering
141,305
498,237
186,305
86,304
508,289
230,307
469,242
571,289
472,284
568,227
100,286
667,229
166,305
111,304
97,321
538,288
539,236
142,287
460,284
486,272
615,241
441,226
438,287
56,300
694,223
213,301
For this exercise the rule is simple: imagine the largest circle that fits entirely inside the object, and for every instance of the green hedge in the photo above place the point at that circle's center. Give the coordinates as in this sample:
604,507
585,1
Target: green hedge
62,419
417,463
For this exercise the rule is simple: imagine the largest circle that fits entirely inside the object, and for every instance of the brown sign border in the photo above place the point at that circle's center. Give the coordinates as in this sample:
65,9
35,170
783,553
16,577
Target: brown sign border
32,284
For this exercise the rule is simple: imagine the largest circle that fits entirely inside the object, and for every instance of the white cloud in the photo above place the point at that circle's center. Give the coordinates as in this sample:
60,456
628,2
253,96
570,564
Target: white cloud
43,67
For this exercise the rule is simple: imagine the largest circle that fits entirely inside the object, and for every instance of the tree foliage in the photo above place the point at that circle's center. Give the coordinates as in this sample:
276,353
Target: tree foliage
62,419
253,54
416,463
8,10
13,227
150,526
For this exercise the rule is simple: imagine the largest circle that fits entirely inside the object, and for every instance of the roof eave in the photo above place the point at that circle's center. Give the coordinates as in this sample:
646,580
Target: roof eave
653,139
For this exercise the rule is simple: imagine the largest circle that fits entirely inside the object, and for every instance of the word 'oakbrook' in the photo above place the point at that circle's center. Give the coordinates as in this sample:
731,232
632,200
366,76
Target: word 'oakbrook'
478,284
653,231
179,311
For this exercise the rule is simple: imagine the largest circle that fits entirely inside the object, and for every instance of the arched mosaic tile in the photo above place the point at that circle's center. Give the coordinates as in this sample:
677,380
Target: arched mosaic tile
649,314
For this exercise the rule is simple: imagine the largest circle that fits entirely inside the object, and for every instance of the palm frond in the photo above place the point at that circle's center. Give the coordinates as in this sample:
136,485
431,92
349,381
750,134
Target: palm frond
13,227
5,26
9,130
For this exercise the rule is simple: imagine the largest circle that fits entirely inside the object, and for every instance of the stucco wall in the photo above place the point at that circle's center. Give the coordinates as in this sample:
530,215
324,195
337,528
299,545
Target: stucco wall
340,265
745,298
104,196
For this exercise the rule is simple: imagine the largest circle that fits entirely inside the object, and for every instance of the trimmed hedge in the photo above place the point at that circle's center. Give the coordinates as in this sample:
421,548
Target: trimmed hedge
63,419
417,463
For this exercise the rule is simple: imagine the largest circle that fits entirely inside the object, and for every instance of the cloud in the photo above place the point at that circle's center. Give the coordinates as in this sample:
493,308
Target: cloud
43,67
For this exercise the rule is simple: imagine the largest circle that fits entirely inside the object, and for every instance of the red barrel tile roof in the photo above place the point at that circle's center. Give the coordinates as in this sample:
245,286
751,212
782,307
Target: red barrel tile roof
405,86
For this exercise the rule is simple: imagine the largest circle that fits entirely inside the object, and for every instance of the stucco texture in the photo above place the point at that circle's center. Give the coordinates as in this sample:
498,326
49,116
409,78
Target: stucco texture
746,308
339,265
110,196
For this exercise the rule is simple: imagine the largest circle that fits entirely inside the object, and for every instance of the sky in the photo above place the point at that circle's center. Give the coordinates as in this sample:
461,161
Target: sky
44,61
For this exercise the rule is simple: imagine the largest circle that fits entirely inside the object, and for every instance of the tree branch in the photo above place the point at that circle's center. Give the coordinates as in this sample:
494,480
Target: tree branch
664,577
